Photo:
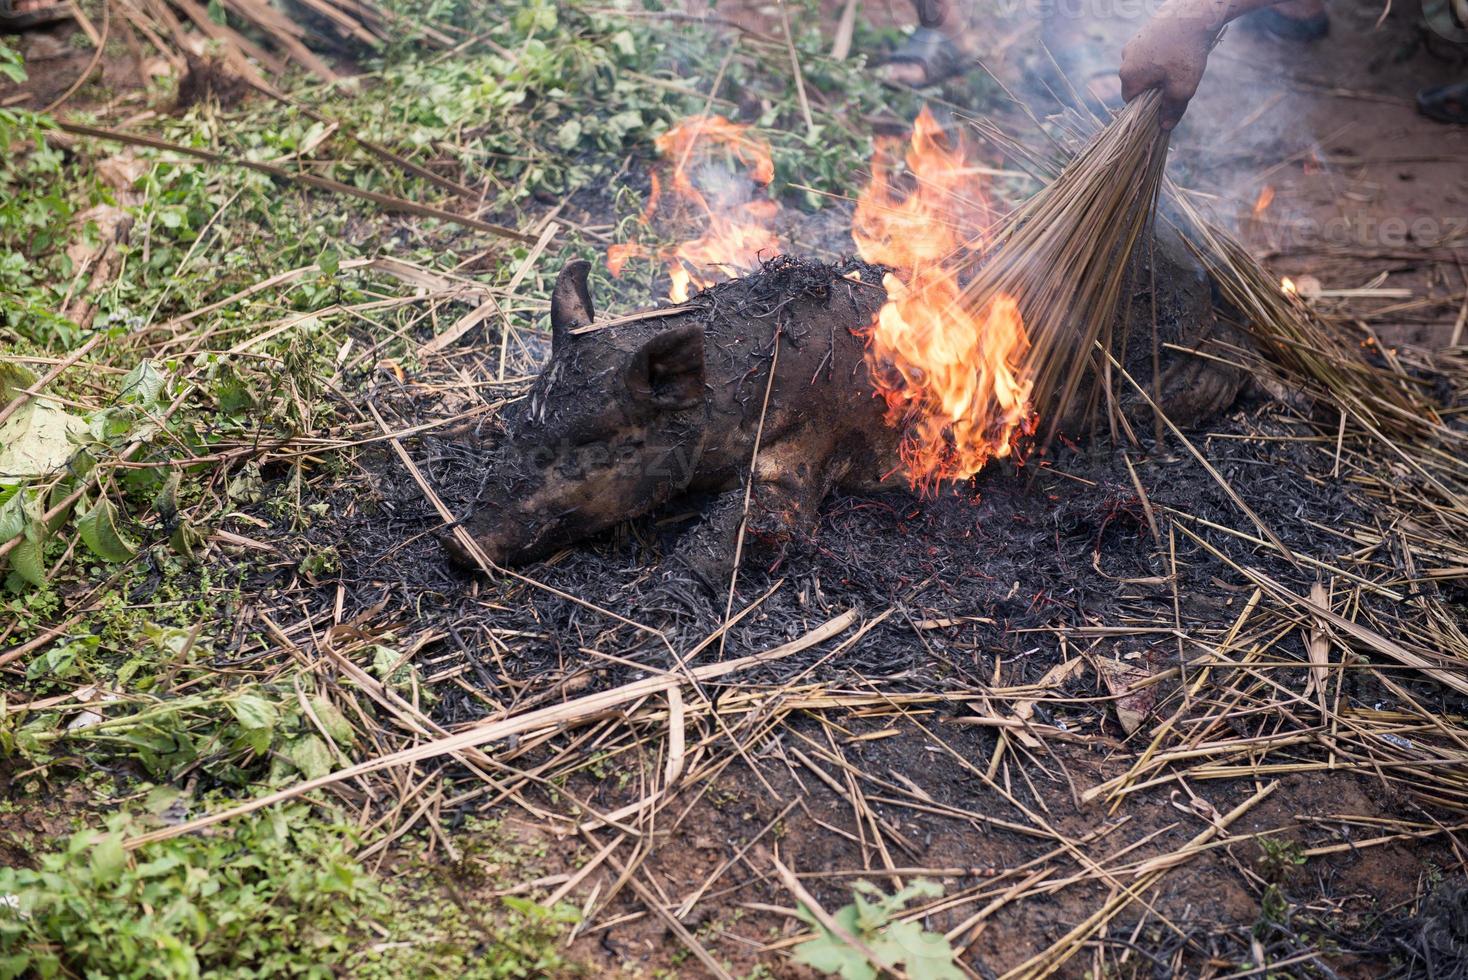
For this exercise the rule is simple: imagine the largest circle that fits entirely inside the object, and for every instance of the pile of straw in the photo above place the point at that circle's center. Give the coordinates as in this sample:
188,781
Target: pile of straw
258,40
1064,254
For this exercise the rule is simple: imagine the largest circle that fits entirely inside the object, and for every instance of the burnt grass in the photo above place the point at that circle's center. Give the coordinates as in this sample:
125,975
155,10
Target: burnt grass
1014,546
1013,554
982,582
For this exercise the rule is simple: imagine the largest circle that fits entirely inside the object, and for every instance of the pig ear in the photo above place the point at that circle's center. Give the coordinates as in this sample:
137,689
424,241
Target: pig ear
570,303
667,370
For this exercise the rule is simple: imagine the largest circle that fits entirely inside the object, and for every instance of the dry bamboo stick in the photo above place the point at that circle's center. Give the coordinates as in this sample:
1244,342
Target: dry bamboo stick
555,715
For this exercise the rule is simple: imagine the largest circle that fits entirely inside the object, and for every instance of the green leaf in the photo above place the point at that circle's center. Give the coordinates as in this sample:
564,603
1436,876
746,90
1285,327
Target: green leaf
12,511
172,641
624,122
310,755
247,485
26,561
59,492
143,384
109,858
36,439
623,42
165,502
383,660
329,262
13,378
16,964
98,528
569,134
830,954
111,424
871,917
159,799
185,538
337,727
926,955
58,662
254,712
19,515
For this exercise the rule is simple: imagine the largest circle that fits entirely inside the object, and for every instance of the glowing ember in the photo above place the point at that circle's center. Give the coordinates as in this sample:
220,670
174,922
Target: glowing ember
1288,286
707,153
1265,198
955,379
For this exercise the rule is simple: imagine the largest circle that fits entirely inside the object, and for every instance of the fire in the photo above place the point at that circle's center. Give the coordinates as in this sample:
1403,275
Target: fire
1288,286
732,207
1264,200
955,379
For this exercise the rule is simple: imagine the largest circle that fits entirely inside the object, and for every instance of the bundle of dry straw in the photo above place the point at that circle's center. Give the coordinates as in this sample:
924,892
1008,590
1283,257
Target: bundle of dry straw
258,40
1064,254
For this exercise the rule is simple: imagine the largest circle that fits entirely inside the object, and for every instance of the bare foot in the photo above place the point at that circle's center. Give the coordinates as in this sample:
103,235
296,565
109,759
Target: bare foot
907,73
929,56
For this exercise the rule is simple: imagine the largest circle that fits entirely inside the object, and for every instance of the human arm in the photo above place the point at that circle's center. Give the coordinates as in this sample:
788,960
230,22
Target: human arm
1171,50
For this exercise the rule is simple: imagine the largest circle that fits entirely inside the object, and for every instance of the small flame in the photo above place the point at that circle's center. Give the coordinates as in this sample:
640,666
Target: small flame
738,218
1264,200
954,378
1288,285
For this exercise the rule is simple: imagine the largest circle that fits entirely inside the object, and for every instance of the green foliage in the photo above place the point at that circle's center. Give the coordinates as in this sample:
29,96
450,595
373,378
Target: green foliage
43,437
551,100
39,201
11,64
872,920
255,734
1278,857
276,895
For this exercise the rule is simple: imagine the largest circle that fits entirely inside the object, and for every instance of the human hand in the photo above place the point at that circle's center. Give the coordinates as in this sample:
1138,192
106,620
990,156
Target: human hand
1168,53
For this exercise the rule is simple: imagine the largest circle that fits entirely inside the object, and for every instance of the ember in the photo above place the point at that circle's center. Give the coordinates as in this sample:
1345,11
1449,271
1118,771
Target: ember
1264,200
953,377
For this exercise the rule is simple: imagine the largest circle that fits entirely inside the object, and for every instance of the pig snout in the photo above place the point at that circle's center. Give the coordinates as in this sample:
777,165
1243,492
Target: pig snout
498,534
561,493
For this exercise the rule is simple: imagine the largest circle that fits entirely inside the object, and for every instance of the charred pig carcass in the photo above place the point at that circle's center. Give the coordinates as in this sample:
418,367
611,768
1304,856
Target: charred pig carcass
633,413
629,415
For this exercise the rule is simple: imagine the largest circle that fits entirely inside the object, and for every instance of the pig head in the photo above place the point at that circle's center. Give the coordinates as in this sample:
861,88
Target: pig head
610,429
628,416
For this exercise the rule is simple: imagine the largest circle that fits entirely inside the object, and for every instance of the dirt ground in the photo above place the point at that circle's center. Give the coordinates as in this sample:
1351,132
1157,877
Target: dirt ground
1329,131
977,585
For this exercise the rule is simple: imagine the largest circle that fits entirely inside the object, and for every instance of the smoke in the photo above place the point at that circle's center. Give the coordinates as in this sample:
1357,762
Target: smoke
1236,126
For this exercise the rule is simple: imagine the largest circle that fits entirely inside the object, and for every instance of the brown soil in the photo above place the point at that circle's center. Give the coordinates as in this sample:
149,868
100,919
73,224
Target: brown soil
1332,129
1357,174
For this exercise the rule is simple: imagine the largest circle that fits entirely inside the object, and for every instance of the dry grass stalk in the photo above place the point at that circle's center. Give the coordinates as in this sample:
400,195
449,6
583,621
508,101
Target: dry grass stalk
281,39
1063,254
588,706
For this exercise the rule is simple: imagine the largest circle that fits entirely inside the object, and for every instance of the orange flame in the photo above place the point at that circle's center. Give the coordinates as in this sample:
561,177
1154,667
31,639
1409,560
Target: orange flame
1288,286
1264,200
955,378
738,218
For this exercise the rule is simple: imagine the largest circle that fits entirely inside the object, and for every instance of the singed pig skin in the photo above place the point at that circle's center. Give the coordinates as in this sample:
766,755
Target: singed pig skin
627,417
